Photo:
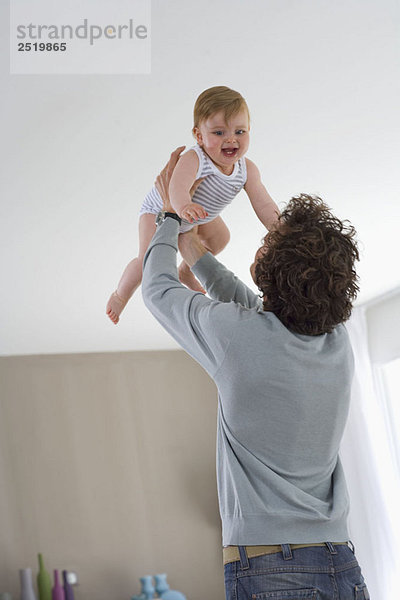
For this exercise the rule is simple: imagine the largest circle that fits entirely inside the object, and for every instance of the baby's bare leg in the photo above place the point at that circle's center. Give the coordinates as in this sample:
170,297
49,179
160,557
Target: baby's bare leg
214,236
132,275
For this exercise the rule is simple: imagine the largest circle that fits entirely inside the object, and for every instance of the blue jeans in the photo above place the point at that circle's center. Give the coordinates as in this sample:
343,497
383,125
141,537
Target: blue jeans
329,572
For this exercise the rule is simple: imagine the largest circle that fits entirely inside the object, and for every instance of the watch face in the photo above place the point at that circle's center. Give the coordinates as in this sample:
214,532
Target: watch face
160,217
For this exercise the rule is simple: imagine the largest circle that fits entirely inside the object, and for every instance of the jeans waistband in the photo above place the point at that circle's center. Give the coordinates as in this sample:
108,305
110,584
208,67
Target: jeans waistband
233,553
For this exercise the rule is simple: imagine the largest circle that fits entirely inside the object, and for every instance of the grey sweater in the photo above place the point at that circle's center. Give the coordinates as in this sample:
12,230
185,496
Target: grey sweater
283,401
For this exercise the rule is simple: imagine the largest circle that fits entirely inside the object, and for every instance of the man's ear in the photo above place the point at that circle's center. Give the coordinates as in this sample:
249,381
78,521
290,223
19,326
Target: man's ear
197,134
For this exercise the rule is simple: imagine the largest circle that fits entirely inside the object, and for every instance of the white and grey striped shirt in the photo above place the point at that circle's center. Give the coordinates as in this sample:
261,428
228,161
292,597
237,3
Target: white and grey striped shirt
215,192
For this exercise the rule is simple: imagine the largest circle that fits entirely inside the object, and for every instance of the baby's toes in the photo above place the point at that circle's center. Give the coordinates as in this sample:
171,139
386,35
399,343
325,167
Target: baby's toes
112,315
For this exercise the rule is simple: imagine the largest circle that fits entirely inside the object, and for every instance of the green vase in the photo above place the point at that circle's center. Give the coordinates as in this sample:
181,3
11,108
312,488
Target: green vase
43,581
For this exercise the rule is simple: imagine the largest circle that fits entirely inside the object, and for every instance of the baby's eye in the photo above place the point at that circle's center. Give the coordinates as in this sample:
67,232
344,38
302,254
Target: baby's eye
218,132
239,131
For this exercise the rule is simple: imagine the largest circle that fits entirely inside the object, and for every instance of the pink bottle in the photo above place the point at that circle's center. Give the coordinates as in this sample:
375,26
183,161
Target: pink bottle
58,590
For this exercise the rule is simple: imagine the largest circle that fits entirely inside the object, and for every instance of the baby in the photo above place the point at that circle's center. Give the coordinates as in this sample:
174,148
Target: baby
222,131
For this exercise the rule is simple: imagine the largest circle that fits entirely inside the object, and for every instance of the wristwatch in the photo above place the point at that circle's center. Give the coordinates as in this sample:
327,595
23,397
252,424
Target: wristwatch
162,215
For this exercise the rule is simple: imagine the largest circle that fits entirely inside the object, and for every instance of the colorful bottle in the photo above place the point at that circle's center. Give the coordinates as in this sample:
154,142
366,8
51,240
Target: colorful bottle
58,592
43,581
27,592
68,591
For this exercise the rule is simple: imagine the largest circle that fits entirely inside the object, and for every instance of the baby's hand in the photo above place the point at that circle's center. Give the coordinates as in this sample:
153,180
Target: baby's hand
193,211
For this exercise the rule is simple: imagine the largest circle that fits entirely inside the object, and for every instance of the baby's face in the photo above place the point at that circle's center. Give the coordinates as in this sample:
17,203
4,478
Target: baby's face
224,142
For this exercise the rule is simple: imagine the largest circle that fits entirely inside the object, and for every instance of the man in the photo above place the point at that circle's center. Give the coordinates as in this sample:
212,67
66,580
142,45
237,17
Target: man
283,367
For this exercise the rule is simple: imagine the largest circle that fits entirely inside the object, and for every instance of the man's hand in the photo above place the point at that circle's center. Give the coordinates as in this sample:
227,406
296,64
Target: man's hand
163,179
190,247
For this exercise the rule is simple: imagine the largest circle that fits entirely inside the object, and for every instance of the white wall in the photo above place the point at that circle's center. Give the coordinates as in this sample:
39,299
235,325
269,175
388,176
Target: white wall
79,153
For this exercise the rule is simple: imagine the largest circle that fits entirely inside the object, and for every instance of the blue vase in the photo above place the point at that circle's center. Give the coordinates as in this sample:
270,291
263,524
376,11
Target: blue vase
147,587
161,584
162,589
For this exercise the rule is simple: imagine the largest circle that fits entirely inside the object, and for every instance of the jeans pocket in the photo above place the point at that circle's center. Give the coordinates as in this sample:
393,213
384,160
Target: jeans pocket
308,594
361,592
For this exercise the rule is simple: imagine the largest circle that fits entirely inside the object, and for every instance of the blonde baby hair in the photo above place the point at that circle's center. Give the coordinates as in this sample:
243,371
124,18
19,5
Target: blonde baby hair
215,99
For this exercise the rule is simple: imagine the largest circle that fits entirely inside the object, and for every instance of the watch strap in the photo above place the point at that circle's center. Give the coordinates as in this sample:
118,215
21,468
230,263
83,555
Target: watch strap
174,216
162,215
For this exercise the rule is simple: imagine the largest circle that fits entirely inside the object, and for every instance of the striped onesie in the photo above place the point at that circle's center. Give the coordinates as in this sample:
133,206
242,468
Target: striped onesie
215,192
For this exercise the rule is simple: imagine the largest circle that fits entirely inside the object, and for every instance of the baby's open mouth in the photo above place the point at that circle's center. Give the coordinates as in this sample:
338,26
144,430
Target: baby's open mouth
229,151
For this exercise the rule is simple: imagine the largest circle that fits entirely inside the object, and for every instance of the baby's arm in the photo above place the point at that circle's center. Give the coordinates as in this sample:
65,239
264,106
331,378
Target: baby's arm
264,207
182,180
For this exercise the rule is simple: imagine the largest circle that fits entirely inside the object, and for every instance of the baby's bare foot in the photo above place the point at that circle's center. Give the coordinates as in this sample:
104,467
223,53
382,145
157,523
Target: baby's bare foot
187,278
115,306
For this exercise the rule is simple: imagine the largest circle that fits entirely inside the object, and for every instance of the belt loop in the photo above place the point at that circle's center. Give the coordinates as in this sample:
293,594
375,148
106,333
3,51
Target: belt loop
331,548
352,548
244,560
286,551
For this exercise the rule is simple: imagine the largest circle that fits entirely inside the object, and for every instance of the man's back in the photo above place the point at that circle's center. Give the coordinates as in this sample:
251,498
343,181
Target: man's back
283,405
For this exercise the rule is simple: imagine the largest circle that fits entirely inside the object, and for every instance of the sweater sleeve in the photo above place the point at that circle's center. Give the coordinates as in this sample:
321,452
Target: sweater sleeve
221,284
202,326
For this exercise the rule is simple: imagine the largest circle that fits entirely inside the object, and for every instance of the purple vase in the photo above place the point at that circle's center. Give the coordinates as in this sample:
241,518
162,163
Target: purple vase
58,592
69,594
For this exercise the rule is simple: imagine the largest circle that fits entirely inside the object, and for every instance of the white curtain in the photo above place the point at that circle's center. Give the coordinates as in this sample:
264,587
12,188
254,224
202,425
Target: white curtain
372,477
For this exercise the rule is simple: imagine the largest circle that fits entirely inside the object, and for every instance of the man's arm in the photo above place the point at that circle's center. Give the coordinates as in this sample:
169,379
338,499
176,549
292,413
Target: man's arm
203,327
220,283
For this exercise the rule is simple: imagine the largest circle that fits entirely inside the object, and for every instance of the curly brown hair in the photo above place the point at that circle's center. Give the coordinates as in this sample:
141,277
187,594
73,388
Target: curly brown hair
305,271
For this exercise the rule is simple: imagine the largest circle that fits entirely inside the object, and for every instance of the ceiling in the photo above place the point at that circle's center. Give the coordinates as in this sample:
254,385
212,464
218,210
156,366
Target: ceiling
79,152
